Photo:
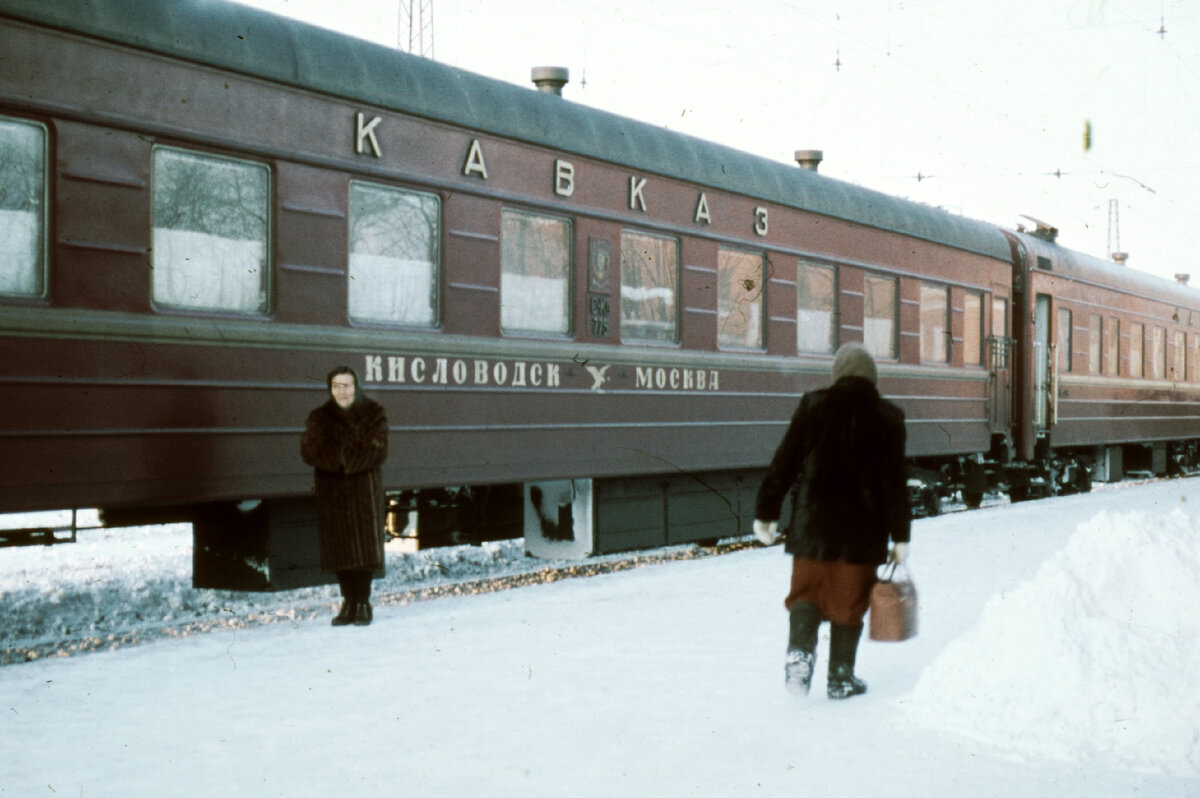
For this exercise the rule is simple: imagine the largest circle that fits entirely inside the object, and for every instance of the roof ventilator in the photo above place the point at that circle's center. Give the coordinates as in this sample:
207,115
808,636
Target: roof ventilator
550,79
809,159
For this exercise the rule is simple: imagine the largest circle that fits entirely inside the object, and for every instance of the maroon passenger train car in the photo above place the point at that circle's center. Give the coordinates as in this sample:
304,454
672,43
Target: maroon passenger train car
585,330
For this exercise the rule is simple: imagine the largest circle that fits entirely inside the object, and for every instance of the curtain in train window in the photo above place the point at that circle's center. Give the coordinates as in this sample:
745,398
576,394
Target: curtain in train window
972,329
1136,342
209,240
22,208
649,287
1064,340
879,316
1179,373
739,299
1158,353
393,256
816,308
1112,346
935,323
1095,345
535,273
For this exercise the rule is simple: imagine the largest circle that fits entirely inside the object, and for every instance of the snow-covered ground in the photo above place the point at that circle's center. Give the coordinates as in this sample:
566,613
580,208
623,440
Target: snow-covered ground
1057,646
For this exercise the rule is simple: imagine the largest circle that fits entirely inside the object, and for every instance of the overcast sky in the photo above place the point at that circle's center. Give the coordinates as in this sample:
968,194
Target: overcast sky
984,113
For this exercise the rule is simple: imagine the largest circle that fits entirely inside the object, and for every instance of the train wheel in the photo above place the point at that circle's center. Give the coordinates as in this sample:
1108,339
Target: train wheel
1083,479
933,504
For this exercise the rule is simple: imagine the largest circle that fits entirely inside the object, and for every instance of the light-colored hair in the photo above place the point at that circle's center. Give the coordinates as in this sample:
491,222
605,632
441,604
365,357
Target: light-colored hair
853,360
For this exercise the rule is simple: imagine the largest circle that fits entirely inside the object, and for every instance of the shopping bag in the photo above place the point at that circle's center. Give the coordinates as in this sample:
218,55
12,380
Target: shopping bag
893,615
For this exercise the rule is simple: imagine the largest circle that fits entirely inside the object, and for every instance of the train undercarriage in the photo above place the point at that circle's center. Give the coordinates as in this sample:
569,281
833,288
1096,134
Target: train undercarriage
271,544
1052,472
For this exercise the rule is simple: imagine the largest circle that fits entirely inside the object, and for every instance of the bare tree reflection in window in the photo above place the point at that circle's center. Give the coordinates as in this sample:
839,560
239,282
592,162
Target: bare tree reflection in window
393,255
535,261
879,316
739,299
22,208
816,307
209,237
649,286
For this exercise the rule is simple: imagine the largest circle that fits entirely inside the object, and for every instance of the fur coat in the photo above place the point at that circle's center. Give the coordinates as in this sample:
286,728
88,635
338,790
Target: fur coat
844,453
346,448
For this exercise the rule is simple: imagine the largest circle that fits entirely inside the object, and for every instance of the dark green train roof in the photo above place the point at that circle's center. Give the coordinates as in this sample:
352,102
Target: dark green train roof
252,42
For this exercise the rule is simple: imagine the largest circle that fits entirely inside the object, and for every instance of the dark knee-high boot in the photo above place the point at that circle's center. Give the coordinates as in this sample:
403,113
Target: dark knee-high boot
804,618
349,605
362,592
843,649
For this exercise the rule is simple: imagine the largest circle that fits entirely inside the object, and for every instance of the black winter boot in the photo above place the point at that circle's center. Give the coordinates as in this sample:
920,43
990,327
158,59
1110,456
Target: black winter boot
346,614
362,593
843,648
349,604
804,619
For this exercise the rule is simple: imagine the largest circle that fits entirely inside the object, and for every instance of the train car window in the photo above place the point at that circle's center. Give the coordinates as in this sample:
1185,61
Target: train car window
999,340
209,239
23,162
1158,353
535,273
972,329
1095,344
1180,372
739,299
816,308
879,316
394,239
1064,340
649,287
935,323
1112,346
1136,342
999,317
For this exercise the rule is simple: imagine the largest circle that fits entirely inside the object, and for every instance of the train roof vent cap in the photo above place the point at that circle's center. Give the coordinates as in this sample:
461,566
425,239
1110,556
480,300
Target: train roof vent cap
1043,230
809,159
1120,257
1183,278
550,79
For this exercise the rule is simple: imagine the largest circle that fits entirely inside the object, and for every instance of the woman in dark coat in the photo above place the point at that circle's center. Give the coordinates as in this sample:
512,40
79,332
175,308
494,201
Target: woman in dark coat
844,453
346,441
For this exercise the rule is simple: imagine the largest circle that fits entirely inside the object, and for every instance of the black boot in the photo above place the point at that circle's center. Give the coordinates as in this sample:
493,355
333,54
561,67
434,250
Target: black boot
346,613
804,618
843,648
362,594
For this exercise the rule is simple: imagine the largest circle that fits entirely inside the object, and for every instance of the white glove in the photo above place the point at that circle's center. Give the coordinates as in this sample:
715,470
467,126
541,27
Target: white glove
766,531
899,553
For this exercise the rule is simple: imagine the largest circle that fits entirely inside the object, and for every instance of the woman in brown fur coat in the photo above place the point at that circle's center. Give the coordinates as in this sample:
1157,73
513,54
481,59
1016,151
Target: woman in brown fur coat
346,441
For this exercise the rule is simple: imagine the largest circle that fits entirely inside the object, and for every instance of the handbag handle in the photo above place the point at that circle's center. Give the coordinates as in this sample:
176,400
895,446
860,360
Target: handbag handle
890,570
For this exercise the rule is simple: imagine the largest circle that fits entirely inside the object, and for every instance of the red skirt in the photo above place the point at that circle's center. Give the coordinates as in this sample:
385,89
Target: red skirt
841,589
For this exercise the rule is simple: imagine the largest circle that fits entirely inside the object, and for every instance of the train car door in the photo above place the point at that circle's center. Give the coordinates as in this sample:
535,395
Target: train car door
1042,374
999,370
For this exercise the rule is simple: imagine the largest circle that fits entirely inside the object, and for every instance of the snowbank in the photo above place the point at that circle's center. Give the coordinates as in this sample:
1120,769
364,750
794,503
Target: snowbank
1092,659
116,586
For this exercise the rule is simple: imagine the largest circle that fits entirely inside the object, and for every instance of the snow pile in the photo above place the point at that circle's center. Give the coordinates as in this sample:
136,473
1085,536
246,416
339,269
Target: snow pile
1091,660
123,582
118,586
